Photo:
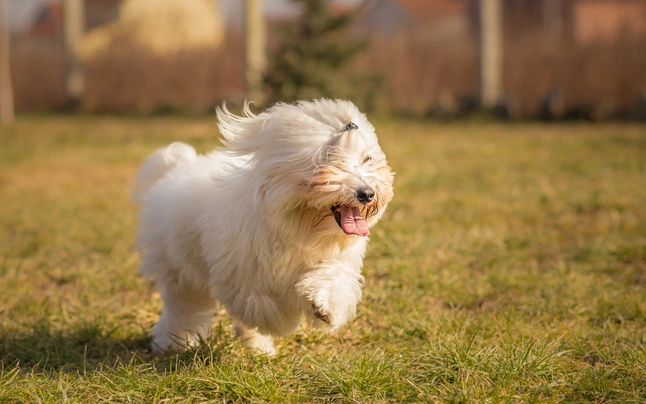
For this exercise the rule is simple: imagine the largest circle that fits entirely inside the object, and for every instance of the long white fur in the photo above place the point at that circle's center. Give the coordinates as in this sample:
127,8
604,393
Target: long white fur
249,225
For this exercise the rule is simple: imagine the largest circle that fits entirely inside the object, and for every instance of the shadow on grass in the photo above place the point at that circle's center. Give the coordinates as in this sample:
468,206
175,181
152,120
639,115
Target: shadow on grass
94,346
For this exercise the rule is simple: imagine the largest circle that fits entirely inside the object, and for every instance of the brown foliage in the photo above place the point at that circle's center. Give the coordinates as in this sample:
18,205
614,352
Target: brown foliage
419,75
38,74
135,79
423,74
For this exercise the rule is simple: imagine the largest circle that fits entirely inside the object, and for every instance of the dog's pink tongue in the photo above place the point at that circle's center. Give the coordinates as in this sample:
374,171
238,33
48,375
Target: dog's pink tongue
352,222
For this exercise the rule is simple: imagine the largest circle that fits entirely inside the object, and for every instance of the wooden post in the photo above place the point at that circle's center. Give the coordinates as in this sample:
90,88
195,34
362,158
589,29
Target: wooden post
552,19
6,89
74,24
255,48
490,52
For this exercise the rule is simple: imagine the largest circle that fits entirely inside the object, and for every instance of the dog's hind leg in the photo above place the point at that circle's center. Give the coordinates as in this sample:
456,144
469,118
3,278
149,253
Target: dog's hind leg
251,338
186,317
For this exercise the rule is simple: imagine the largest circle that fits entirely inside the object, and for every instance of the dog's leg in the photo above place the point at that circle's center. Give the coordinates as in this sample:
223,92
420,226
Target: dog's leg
331,291
254,340
187,316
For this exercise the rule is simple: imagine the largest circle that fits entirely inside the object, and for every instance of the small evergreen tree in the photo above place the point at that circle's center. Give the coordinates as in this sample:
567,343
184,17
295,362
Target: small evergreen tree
312,58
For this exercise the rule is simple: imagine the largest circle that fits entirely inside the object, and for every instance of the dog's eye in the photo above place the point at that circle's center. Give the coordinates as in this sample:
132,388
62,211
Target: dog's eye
367,159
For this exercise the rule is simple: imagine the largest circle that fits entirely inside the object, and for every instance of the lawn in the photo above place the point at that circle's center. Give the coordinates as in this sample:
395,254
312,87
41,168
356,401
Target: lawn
511,266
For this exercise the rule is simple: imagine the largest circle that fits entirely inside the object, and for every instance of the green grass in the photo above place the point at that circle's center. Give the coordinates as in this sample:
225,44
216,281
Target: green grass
511,266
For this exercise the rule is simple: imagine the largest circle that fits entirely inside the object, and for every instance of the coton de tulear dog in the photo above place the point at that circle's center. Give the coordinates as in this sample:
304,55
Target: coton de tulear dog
273,225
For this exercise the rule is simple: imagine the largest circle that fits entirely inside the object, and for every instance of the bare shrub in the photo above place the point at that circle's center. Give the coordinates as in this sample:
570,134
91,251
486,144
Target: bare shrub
38,74
605,76
132,78
418,71
425,74
418,75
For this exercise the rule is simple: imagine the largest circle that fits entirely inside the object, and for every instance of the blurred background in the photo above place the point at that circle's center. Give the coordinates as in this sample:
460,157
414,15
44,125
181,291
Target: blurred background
518,59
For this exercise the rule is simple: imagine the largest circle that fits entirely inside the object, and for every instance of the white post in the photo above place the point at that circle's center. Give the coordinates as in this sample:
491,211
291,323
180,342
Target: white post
552,19
74,24
490,52
6,89
255,48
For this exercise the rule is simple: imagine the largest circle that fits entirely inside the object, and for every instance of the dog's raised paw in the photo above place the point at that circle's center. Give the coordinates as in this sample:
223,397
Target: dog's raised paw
320,314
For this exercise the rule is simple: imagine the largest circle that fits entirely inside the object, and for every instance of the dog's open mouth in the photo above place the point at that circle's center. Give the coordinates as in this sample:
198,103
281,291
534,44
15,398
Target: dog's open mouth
350,220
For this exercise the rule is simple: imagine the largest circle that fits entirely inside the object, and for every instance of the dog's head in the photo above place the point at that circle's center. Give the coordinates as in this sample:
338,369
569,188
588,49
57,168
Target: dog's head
351,179
317,157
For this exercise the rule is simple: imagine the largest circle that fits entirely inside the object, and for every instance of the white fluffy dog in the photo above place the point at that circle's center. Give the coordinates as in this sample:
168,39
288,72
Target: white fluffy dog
273,225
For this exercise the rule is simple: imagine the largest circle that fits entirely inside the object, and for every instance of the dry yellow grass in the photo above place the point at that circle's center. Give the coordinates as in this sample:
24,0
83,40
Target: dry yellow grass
509,267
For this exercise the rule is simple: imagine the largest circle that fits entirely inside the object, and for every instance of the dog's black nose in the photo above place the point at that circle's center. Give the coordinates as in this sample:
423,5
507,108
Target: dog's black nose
365,194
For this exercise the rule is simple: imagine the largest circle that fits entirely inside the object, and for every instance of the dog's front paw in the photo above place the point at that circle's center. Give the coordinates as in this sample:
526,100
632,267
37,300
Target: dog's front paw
330,295
328,310
321,314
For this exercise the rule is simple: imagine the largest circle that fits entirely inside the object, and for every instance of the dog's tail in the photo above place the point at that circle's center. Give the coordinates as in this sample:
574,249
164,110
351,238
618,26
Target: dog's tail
156,165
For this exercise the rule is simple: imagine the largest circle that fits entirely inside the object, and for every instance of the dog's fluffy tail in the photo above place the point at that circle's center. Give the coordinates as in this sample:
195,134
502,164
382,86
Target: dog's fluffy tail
155,167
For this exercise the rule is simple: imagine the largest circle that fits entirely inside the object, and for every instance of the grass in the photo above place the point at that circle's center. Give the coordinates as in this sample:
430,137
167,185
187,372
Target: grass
511,266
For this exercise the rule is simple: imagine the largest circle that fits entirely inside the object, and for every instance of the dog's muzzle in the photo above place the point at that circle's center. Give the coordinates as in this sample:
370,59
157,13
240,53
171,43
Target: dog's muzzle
365,194
349,217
